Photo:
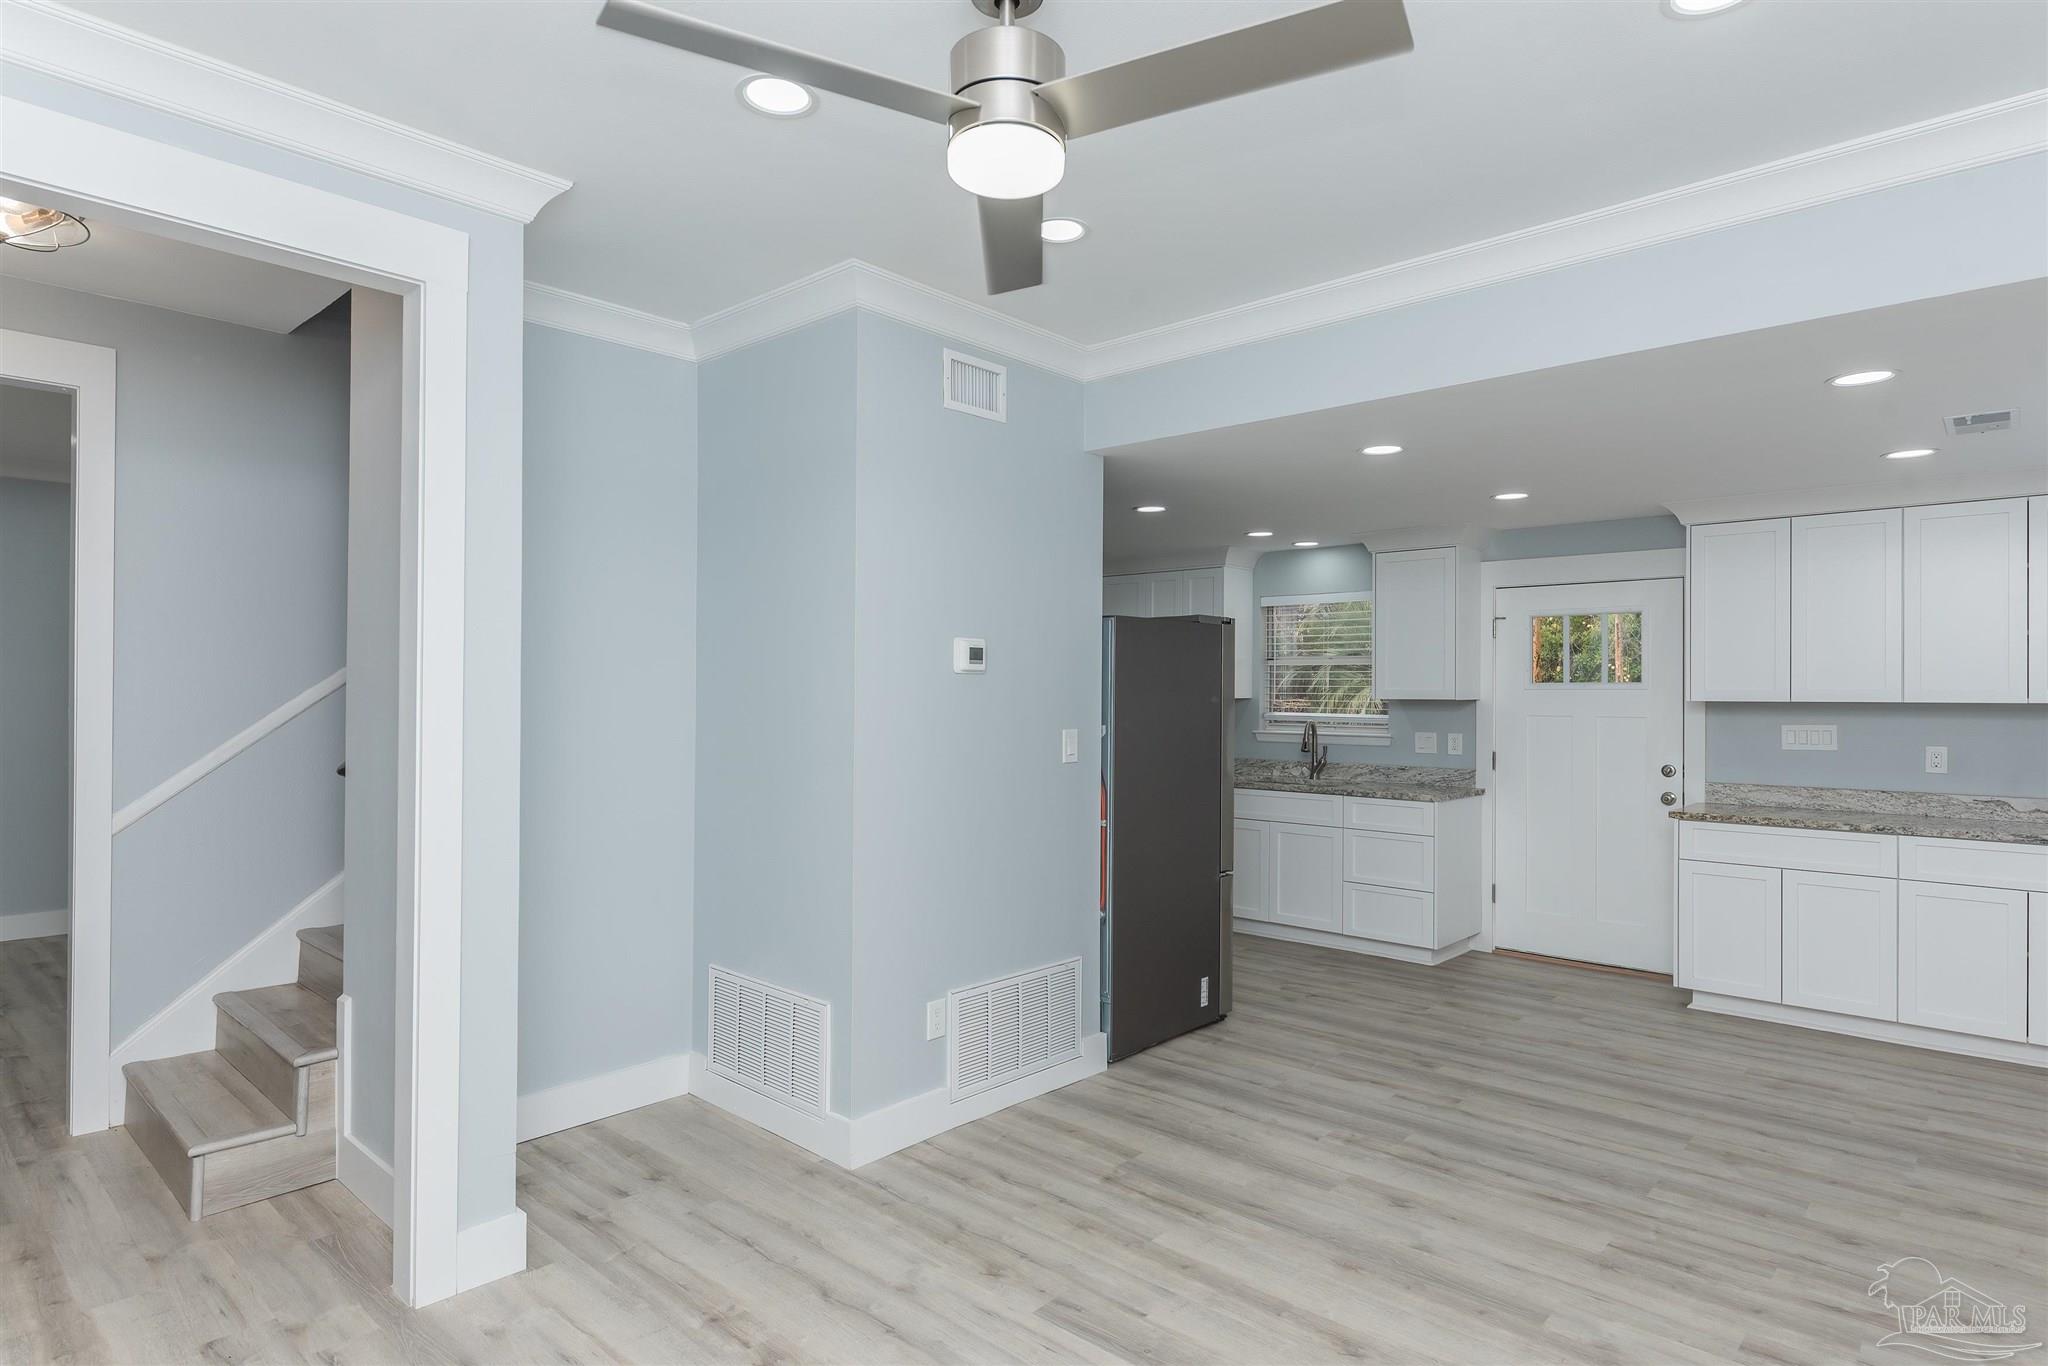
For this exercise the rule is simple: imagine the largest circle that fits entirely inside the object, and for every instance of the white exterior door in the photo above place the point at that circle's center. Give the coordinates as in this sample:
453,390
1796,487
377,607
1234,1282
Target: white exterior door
1588,715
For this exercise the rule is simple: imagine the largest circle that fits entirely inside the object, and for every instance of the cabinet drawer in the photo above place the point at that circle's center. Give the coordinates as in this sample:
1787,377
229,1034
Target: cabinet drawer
1820,851
1389,860
1975,863
1296,808
1405,818
1391,914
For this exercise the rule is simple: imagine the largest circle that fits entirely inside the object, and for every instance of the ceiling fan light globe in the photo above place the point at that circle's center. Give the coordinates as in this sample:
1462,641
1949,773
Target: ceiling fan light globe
1006,160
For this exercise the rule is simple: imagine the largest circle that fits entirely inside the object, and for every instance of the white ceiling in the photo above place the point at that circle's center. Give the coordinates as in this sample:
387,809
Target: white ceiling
1621,437
1507,114
124,264
35,432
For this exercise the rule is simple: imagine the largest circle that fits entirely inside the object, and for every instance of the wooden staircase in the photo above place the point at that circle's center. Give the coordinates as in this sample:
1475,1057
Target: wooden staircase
254,1117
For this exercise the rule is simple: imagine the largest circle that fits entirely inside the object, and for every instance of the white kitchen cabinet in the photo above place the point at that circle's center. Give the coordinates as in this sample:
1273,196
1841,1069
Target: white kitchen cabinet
1305,872
1963,959
1390,860
1224,591
1841,944
1391,915
1250,887
1966,602
2037,599
1205,592
1170,594
1847,624
1731,939
1739,611
1424,628
2037,967
1126,595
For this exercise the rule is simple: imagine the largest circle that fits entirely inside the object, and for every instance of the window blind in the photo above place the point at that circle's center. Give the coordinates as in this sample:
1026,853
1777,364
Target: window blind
1319,662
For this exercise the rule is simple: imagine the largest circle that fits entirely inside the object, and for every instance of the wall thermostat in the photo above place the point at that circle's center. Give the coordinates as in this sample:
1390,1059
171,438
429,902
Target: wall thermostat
969,656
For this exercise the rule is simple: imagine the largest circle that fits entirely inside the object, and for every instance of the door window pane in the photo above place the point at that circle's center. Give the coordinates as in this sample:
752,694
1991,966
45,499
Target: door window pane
1546,649
1624,647
1582,653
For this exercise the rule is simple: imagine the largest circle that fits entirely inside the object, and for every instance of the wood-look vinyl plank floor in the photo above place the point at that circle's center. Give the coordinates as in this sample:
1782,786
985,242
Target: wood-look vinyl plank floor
1488,1161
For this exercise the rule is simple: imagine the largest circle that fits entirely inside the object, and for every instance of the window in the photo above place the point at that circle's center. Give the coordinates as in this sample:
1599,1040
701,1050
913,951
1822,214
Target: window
1319,663
1604,647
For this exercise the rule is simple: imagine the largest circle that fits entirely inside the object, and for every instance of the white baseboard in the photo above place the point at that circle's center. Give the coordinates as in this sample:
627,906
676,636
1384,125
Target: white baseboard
365,1174
581,1102
857,1142
33,924
1887,1031
1374,948
490,1251
186,1024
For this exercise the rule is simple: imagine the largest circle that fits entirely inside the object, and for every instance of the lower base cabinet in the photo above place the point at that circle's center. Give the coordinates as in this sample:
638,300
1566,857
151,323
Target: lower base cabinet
2037,967
1249,884
1730,919
1304,872
1842,944
1963,959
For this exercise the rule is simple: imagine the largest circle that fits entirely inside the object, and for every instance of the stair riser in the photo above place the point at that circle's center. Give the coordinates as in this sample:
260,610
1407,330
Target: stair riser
243,1176
160,1146
319,971
282,1084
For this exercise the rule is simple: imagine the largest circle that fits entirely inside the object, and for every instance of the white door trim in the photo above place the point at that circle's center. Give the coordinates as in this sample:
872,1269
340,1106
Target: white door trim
1612,567
88,371
72,163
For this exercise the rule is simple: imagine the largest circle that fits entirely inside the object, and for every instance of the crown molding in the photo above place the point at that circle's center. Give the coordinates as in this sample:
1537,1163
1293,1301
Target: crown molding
1969,138
579,313
1914,490
78,48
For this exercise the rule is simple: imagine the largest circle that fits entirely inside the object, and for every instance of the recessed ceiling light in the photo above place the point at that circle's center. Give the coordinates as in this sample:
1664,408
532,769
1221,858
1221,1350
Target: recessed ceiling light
1381,450
1306,545
1509,497
1913,454
1062,230
1692,9
777,98
1150,507
1258,533
1856,379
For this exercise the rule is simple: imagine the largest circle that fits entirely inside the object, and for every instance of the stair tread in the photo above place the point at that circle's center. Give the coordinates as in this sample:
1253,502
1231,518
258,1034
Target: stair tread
295,1022
326,938
207,1104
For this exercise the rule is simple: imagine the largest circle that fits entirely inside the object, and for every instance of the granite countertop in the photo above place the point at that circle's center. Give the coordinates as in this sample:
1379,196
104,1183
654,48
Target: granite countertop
1930,815
1387,782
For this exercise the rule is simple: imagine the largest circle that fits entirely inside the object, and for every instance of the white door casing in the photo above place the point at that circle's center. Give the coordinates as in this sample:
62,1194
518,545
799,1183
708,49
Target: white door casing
1583,847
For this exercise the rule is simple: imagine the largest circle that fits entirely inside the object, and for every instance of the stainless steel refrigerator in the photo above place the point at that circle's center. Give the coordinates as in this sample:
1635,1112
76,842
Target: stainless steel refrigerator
1167,689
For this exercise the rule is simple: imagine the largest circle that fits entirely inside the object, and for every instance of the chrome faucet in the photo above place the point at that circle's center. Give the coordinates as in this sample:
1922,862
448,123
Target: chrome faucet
1318,755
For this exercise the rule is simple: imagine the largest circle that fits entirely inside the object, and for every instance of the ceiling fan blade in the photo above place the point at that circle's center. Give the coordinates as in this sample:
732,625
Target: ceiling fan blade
1011,250
643,20
1308,43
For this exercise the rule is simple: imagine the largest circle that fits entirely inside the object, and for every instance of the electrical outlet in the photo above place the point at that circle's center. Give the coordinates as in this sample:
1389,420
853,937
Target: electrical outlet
1937,758
1455,742
935,1019
1425,742
1205,992
1070,746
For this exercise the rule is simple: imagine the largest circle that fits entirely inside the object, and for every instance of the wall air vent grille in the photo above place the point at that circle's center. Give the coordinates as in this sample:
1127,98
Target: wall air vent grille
770,1040
977,386
1013,1026
1969,424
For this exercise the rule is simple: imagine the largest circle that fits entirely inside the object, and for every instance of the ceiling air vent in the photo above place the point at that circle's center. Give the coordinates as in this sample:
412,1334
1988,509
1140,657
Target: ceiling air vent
977,386
770,1040
1969,424
1013,1026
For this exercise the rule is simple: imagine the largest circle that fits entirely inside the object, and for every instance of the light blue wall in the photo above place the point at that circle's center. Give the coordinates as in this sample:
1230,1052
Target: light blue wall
1348,569
1586,538
974,847
1992,750
230,488
35,692
775,701
610,644
1971,230
491,707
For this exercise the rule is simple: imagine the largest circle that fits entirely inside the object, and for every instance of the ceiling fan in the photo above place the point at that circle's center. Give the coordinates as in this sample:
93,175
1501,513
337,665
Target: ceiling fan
1013,108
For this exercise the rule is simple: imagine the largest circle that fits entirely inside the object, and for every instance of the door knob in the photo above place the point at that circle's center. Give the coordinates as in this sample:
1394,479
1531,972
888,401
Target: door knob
1669,799
1669,770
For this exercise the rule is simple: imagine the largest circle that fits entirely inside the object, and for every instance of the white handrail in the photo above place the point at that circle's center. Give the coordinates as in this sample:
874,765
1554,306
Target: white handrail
226,750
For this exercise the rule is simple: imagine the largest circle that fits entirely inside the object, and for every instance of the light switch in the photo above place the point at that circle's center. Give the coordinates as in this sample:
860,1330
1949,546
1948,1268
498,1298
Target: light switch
1455,743
935,1019
1806,737
1070,746
1425,742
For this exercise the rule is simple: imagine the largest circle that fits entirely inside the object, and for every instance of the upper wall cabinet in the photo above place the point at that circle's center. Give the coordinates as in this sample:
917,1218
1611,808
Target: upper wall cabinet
1847,635
1966,602
1225,591
1739,606
2037,601
1425,623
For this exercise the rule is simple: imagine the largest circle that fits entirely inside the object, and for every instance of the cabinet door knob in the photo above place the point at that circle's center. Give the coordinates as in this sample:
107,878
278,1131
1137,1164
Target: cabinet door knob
1669,770
1669,799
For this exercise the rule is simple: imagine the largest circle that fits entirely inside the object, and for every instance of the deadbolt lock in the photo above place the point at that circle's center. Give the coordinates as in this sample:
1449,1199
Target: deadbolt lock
1669,770
1669,799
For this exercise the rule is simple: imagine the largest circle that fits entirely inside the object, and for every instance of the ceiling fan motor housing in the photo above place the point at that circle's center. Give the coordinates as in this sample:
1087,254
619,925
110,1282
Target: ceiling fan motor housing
1000,67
